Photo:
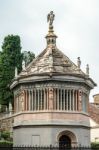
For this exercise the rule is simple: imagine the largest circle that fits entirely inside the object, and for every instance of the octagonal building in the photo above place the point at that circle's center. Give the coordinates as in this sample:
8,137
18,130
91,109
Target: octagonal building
51,97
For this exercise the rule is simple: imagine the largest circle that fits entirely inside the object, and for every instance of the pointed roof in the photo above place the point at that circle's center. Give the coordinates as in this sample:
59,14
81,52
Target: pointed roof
52,62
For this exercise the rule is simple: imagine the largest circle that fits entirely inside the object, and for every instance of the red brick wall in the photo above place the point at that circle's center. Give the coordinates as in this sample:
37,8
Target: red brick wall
94,112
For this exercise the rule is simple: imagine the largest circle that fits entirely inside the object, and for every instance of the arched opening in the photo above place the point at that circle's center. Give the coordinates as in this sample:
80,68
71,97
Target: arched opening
64,141
67,139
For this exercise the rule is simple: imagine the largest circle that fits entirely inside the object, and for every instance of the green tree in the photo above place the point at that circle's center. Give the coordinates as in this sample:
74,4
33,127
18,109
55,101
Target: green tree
10,57
28,57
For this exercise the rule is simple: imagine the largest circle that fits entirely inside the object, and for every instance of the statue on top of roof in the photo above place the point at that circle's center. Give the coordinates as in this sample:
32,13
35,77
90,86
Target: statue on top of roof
50,18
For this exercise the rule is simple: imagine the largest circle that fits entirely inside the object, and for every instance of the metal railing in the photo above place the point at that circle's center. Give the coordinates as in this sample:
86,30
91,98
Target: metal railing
46,148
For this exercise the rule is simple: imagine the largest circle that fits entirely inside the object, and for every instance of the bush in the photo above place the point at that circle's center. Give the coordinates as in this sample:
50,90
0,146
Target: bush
95,144
5,135
6,143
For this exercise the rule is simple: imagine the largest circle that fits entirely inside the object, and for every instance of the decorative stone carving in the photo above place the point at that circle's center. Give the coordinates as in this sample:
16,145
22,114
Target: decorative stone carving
50,18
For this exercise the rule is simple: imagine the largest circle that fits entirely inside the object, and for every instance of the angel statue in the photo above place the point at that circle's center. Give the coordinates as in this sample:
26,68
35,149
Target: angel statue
50,18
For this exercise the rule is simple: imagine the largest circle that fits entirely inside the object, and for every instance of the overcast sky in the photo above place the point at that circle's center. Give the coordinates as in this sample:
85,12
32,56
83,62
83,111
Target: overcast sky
76,25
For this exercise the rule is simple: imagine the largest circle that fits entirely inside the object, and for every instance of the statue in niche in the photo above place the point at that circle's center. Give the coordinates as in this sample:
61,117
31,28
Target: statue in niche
22,104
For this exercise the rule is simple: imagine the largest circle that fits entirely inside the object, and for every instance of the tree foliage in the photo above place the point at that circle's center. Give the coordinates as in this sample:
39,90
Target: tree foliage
5,135
10,57
28,57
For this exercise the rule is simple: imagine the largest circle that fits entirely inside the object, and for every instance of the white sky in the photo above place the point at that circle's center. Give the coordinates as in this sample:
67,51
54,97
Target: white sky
76,25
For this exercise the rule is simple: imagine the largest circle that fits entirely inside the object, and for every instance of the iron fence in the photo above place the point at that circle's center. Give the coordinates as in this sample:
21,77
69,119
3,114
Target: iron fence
46,148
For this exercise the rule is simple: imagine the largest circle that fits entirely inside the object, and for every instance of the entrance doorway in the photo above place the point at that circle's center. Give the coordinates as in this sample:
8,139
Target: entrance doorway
64,141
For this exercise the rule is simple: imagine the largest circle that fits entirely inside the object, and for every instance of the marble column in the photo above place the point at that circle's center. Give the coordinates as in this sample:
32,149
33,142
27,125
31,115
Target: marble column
35,99
41,101
67,100
47,92
54,99
60,99
25,100
44,99
32,99
38,99
57,99
73,101
29,100
64,101
76,99
70,99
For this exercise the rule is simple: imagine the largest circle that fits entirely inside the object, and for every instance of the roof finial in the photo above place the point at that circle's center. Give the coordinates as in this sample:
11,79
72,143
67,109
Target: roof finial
78,62
87,69
50,19
51,37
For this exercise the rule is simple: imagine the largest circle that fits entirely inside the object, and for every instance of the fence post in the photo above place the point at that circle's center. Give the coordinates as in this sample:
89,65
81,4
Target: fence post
79,146
50,147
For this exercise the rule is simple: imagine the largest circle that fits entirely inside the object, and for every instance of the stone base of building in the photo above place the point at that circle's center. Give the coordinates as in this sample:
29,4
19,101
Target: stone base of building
51,135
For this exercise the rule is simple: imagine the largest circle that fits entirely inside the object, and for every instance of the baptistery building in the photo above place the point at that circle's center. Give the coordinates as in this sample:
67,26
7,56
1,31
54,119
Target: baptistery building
51,97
